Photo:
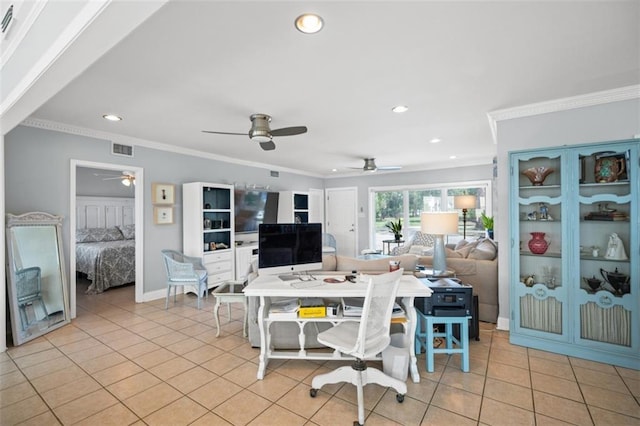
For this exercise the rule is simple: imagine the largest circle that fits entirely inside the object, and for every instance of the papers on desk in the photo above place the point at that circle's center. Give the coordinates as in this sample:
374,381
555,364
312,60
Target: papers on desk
284,309
352,307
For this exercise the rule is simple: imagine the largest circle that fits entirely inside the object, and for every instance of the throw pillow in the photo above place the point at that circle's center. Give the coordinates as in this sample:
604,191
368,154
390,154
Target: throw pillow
485,249
422,239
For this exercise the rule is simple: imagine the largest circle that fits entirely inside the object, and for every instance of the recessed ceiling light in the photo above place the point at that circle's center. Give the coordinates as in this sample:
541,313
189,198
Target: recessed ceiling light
452,157
112,117
400,109
309,23
434,140
334,170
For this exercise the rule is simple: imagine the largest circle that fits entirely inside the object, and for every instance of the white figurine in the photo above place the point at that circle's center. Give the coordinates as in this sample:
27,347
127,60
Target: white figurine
615,248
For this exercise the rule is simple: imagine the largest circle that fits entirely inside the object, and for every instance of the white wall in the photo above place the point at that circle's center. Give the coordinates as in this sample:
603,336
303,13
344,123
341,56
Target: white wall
605,122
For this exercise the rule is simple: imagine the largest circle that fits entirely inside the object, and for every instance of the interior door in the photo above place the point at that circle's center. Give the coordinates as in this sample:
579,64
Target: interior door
342,214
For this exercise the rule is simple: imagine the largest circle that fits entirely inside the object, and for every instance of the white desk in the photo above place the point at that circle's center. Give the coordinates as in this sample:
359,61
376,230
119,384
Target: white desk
267,286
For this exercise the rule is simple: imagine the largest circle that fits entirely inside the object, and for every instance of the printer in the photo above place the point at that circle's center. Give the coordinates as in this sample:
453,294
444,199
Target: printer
450,298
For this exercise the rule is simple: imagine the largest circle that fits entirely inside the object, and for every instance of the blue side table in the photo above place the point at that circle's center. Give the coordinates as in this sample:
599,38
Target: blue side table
424,338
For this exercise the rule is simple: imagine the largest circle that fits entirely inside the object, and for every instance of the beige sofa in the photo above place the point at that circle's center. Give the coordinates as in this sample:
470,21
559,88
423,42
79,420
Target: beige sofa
471,265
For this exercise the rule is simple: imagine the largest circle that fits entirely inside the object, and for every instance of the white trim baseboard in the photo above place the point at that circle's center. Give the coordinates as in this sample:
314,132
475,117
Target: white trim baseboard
503,324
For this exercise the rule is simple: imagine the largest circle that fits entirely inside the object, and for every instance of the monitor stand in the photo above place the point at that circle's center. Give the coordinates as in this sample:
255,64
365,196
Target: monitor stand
289,277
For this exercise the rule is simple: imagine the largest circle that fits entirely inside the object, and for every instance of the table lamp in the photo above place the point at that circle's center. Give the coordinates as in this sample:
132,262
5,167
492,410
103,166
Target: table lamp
464,202
439,224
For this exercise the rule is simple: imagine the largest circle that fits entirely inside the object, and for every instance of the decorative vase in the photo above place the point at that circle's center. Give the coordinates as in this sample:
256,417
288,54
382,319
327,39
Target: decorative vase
537,243
537,175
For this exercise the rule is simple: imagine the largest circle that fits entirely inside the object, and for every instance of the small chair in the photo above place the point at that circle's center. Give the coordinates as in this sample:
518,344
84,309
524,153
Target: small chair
29,290
364,340
184,270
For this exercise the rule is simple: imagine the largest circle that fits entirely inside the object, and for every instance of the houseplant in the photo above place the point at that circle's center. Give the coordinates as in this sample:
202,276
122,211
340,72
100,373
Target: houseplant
395,228
487,223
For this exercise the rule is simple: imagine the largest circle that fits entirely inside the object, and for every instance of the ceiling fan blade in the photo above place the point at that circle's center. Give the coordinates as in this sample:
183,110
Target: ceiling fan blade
289,131
115,177
389,167
225,133
268,146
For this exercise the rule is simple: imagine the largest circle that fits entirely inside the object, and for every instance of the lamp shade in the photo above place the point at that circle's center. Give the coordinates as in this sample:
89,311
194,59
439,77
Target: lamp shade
439,223
464,201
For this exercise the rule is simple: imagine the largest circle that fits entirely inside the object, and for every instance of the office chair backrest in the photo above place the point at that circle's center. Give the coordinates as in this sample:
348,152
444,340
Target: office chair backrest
373,335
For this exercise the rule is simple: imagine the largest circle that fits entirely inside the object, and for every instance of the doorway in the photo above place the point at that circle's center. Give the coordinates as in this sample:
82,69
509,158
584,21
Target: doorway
137,174
342,219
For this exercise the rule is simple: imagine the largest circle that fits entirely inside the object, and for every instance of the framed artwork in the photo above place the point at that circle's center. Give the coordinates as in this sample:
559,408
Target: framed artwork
163,193
163,215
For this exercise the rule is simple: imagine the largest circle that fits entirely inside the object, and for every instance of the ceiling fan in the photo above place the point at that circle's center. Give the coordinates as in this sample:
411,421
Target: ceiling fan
370,166
261,132
127,178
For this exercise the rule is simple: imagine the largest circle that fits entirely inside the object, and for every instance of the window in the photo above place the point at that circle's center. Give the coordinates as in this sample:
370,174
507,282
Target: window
408,203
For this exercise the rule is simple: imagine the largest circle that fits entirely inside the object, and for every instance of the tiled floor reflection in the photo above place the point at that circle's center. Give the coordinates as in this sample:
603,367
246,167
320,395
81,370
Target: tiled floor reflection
123,363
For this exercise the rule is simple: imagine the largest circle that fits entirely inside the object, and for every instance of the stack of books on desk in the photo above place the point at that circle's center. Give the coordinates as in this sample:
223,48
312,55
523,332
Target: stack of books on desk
312,307
284,309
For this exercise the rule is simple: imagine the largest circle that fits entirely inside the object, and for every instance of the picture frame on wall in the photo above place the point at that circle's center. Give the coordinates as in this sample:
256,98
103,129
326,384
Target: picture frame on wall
163,215
163,193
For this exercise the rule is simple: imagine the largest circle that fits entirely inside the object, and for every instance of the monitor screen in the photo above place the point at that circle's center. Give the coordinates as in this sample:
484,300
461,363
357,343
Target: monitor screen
289,247
253,208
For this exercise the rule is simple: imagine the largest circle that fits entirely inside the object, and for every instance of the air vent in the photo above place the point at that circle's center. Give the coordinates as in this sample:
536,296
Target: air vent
275,174
124,150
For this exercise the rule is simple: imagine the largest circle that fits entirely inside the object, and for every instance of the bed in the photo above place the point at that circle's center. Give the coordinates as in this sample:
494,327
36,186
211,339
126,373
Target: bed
106,256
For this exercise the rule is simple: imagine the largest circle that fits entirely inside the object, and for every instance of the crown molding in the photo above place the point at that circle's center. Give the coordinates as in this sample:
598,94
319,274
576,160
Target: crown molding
563,104
129,140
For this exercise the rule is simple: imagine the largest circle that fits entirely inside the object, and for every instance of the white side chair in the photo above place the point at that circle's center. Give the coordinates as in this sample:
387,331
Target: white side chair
364,340
184,270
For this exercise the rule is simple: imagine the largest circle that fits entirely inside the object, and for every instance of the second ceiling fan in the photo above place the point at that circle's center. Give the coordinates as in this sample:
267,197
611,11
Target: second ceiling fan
262,133
370,166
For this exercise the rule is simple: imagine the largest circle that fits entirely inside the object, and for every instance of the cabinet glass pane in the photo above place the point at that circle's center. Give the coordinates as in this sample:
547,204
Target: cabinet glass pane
539,214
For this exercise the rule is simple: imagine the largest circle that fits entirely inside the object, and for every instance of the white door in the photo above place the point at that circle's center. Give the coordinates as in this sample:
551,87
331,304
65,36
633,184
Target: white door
342,218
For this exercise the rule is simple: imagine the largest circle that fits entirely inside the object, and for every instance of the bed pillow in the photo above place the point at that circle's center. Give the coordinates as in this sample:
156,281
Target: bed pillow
128,231
97,235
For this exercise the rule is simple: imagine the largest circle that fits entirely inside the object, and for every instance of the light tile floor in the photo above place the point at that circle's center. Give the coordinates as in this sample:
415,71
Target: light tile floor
123,363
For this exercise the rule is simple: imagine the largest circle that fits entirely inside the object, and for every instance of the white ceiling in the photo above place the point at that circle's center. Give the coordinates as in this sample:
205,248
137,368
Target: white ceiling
198,65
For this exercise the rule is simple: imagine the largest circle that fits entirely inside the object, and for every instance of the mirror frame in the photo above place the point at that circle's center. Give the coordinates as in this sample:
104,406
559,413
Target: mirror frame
34,219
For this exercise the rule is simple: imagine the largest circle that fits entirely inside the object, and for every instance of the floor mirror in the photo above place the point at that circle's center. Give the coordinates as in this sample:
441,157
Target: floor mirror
37,284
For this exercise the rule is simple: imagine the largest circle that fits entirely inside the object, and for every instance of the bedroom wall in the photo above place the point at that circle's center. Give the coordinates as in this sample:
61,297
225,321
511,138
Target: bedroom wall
100,183
37,171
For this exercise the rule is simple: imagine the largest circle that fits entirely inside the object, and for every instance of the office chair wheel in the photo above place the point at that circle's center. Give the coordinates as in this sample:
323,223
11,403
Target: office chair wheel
399,397
313,392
